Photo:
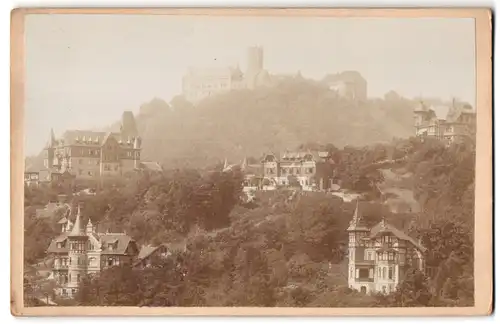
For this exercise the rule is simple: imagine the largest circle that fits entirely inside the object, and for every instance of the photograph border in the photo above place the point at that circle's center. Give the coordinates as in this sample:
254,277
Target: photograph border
483,226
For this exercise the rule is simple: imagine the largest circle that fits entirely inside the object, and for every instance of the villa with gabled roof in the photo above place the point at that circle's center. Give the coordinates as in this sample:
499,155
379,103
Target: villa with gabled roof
450,123
81,250
304,166
380,256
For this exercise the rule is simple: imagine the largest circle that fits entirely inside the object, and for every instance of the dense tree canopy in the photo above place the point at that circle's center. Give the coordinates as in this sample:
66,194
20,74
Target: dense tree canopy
288,248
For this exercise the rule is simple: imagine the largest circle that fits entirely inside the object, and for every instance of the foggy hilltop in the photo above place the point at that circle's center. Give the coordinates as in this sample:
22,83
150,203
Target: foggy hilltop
248,123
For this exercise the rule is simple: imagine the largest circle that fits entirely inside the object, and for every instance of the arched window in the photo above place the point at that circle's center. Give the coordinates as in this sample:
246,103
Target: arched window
92,261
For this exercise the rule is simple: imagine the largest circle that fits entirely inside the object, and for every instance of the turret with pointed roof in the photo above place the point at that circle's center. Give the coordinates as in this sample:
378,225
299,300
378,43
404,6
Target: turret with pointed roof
90,227
77,227
357,223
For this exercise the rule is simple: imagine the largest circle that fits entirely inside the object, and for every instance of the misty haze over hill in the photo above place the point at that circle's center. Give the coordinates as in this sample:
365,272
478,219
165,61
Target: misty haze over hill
247,123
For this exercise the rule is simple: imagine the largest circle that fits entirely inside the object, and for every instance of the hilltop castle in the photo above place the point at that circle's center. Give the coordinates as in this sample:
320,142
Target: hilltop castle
200,83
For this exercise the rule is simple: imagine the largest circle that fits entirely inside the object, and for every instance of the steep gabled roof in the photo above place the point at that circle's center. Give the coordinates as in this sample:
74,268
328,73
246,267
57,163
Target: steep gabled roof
53,244
357,223
122,242
383,227
149,250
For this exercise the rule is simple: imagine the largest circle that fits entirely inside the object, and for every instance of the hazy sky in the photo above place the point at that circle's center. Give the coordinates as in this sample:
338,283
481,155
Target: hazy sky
84,70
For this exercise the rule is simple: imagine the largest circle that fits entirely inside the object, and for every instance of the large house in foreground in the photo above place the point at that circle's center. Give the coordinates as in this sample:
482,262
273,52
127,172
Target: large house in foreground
80,250
380,256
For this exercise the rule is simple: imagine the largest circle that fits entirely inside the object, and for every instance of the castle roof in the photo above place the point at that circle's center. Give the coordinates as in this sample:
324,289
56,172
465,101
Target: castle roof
346,76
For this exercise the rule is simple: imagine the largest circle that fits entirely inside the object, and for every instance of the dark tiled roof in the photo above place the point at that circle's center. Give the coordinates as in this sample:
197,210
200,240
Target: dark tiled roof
53,245
146,251
382,227
92,138
122,242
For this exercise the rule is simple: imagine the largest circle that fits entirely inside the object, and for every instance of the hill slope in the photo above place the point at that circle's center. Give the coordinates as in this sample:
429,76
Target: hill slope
248,123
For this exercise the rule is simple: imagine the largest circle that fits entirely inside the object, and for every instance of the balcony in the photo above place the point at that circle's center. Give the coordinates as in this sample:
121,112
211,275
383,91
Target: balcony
60,266
365,279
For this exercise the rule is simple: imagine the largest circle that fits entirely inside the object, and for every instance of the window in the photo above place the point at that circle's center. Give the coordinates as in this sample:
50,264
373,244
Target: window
110,262
364,273
379,273
390,273
368,256
391,256
310,170
370,274
384,273
78,278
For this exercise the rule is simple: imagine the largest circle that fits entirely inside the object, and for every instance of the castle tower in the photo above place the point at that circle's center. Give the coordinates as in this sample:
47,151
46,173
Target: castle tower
128,127
255,59
77,254
358,231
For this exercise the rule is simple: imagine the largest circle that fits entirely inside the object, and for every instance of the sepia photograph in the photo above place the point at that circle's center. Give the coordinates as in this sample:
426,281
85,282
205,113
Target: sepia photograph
277,160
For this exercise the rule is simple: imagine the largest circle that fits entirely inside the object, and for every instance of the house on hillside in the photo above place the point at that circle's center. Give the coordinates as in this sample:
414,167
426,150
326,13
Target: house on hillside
80,250
310,170
91,155
150,255
444,122
31,179
380,256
